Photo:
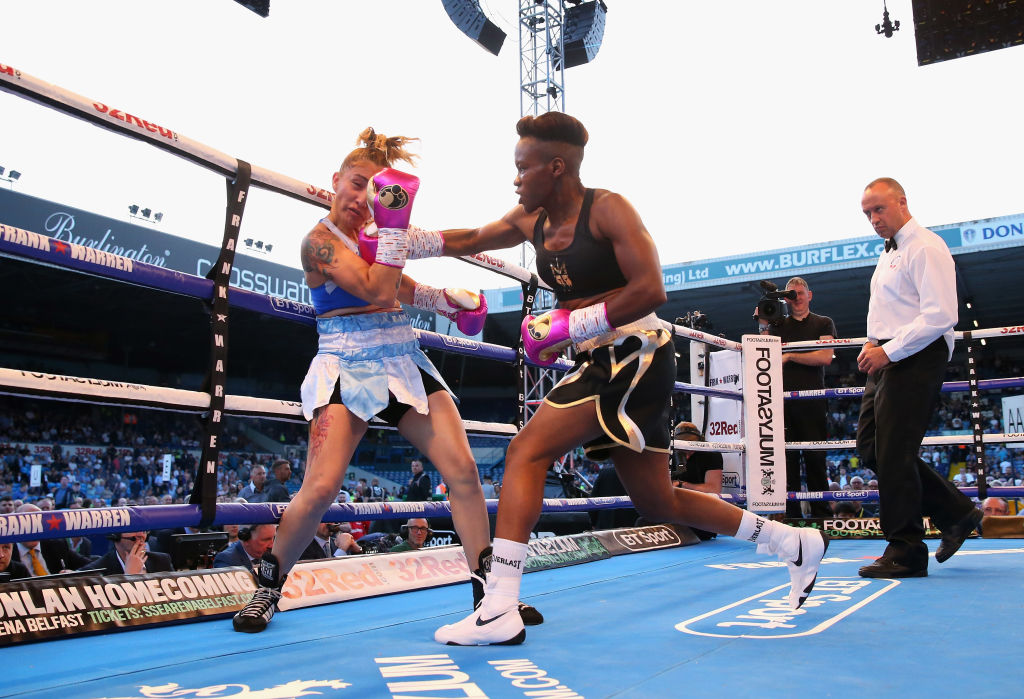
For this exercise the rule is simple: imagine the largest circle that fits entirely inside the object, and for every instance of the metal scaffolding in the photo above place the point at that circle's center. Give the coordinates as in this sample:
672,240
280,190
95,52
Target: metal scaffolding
542,89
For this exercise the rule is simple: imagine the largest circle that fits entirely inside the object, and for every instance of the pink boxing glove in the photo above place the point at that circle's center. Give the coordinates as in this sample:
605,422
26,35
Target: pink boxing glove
390,194
467,309
546,335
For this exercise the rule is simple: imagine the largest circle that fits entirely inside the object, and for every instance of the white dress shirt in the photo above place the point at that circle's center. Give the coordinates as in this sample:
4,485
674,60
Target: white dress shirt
913,293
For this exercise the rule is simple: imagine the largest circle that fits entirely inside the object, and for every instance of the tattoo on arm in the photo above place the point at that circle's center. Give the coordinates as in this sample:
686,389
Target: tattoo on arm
318,255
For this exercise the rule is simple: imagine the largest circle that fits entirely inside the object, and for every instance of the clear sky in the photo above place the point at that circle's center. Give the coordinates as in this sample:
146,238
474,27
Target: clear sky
732,127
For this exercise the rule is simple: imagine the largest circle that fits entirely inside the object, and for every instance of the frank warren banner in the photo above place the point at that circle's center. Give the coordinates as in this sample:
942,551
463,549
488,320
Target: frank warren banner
144,244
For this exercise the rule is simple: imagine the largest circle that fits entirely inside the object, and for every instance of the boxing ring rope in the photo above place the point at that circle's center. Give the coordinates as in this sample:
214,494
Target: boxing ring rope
49,95
979,334
947,387
54,524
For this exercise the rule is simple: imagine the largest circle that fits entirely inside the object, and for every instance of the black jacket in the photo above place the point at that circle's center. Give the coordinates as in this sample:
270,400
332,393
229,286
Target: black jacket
57,555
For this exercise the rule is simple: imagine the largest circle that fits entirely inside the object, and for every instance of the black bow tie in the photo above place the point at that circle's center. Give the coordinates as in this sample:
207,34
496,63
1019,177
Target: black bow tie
890,244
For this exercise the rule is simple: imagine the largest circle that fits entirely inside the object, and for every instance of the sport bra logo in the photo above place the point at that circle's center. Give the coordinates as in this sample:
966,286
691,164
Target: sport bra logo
561,275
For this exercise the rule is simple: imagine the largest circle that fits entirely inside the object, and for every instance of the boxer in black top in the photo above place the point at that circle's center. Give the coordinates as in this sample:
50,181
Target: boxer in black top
607,278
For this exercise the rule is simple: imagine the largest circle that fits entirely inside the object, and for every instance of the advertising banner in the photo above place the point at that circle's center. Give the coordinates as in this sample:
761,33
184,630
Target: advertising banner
45,608
561,551
637,539
725,417
856,527
1013,417
764,433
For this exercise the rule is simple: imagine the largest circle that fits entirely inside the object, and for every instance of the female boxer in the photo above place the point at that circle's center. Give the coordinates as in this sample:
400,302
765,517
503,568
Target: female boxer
593,250
369,362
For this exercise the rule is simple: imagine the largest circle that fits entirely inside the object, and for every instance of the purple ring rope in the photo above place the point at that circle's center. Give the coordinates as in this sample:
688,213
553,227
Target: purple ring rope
948,387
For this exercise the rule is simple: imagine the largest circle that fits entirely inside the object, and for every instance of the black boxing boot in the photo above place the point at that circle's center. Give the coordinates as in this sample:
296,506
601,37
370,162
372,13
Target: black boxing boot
478,578
255,615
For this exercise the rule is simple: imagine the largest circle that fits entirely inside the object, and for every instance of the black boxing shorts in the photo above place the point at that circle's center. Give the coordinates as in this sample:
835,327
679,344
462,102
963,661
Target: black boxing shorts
630,380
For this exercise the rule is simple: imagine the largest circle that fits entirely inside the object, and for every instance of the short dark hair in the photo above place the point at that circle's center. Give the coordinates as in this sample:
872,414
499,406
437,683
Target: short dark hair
553,126
847,508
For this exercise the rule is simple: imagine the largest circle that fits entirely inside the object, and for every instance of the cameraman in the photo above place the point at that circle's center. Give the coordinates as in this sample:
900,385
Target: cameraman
805,419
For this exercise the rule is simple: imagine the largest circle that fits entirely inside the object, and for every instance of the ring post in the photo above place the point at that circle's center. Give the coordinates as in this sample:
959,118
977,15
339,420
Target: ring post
529,295
978,451
764,431
204,493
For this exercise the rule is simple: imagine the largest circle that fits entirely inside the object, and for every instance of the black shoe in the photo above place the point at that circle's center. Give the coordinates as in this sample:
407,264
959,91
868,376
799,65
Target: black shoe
529,614
954,537
888,568
255,615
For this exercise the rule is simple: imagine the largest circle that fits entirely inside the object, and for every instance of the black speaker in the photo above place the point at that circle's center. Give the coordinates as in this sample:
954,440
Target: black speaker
949,29
471,21
583,32
260,7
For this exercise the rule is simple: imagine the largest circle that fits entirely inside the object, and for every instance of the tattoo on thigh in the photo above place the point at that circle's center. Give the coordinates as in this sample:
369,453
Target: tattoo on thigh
318,430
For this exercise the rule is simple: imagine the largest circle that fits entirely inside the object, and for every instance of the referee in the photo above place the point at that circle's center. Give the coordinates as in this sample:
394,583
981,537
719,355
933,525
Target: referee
911,314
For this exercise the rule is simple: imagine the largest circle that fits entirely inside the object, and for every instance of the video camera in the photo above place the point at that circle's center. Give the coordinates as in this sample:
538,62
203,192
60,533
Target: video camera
772,308
695,320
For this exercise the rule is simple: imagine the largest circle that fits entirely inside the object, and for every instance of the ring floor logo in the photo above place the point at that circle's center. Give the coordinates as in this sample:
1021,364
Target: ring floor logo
297,688
767,614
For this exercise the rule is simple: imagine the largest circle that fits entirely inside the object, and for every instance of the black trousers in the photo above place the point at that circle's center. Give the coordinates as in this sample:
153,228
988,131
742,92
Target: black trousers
806,422
894,414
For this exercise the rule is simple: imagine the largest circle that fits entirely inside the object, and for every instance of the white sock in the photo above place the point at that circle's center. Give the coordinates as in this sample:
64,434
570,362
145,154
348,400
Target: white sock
770,536
507,561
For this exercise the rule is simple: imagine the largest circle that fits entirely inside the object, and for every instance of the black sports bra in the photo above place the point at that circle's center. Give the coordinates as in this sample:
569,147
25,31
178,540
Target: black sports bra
586,268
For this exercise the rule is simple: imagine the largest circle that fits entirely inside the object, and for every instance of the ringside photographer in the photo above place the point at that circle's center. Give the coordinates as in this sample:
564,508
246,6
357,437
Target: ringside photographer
788,315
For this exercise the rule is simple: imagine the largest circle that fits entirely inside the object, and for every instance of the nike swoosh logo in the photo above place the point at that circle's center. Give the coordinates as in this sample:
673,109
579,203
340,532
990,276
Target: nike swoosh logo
484,622
799,556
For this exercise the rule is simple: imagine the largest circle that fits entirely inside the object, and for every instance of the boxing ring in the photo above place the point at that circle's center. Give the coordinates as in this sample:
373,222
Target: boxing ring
660,622
703,621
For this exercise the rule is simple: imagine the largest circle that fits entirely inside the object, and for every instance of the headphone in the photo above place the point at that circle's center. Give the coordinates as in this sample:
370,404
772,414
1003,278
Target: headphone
245,533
